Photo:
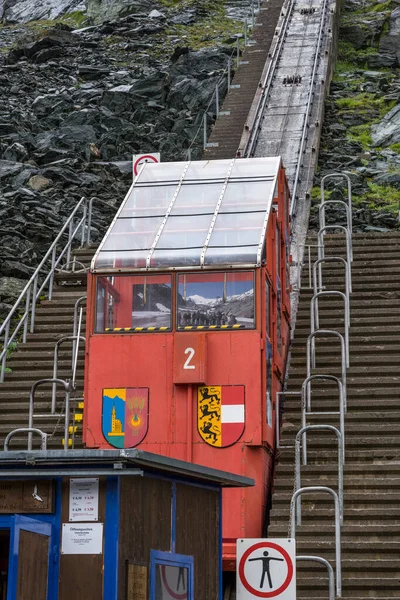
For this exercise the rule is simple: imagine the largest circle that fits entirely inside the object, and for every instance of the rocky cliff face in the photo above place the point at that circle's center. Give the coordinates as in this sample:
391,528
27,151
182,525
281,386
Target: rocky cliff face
361,134
77,102
23,11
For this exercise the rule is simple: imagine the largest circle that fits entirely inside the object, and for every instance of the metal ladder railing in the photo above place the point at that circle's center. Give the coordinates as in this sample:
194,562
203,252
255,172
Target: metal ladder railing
21,318
306,390
69,386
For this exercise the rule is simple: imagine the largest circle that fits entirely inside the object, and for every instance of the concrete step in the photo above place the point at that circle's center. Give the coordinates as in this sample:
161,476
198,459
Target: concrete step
46,365
351,482
367,383
324,516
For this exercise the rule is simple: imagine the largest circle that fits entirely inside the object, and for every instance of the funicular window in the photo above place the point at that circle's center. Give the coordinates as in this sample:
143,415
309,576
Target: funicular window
216,301
133,303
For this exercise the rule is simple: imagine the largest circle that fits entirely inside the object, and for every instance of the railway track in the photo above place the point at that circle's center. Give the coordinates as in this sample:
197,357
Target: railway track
282,119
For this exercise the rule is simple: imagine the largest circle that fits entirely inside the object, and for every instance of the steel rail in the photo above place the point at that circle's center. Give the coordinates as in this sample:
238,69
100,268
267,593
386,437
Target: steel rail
267,83
289,102
308,109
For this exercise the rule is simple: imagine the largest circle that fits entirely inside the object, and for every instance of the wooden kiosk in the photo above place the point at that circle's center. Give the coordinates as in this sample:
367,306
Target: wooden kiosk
110,525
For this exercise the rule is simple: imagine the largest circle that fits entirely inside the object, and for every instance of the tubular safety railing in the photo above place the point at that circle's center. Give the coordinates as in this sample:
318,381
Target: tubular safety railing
310,355
299,435
306,391
322,490
321,245
327,203
67,387
336,176
30,431
301,265
41,283
77,306
314,319
331,259
77,339
65,338
307,412
331,574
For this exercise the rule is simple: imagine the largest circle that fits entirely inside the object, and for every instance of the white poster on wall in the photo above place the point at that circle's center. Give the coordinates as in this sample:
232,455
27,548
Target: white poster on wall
82,538
84,499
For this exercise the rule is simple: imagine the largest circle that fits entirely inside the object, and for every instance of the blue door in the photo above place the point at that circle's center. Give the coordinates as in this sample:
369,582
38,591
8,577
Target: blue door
30,565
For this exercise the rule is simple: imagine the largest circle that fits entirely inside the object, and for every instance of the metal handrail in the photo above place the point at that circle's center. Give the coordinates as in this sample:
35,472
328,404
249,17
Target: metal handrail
306,408
77,340
327,490
314,318
310,356
321,245
59,342
318,282
33,289
340,464
75,326
335,175
29,430
67,388
328,565
300,265
321,211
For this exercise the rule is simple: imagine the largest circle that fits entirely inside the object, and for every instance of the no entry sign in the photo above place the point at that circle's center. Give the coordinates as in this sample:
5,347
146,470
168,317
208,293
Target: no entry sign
141,159
266,568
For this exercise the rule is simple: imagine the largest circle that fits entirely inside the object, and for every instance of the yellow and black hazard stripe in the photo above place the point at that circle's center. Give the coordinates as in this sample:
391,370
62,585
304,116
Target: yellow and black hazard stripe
134,329
76,427
207,327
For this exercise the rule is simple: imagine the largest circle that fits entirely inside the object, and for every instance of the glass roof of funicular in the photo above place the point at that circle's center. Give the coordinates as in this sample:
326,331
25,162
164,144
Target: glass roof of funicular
192,215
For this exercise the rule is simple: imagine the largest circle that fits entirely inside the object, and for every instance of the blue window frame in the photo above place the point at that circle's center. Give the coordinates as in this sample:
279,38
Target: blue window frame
171,576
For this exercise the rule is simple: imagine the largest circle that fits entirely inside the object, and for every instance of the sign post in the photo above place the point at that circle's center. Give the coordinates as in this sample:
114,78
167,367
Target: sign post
266,568
141,159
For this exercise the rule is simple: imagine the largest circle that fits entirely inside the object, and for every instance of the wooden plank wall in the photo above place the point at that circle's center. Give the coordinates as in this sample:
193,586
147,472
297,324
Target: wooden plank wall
81,575
145,522
197,534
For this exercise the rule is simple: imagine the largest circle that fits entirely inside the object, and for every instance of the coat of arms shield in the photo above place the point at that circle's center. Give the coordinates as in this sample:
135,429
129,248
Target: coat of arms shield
220,414
125,418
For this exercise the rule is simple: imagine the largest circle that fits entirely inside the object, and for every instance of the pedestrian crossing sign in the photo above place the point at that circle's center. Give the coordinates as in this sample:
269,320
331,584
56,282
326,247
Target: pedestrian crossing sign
266,568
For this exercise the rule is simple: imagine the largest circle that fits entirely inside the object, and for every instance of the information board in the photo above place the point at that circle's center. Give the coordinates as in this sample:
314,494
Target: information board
84,499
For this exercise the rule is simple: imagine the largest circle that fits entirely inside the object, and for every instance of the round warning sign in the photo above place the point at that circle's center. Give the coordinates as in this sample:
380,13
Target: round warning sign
174,582
266,569
141,159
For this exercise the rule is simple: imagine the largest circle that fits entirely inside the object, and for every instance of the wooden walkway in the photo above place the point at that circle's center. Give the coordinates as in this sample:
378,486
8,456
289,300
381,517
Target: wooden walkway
229,126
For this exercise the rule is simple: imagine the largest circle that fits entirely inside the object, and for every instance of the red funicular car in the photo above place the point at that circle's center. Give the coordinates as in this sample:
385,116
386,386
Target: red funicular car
188,324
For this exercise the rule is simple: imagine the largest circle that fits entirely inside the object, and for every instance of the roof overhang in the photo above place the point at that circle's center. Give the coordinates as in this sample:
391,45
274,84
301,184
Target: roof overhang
56,463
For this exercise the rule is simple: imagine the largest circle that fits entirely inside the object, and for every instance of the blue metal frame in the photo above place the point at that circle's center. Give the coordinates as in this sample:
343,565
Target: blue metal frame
35,526
173,517
111,539
45,524
172,560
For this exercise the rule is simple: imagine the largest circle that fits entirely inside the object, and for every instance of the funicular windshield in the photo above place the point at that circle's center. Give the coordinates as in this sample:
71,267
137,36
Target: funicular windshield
143,303
215,301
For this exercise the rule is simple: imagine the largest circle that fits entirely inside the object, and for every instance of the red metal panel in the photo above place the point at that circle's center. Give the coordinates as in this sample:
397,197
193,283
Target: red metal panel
190,357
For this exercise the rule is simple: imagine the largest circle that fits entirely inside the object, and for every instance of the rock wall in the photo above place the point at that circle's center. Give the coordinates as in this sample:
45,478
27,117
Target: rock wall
108,10
23,11
76,104
361,134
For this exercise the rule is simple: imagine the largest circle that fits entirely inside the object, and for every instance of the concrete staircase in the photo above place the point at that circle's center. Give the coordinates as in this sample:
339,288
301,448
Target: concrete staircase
34,360
371,531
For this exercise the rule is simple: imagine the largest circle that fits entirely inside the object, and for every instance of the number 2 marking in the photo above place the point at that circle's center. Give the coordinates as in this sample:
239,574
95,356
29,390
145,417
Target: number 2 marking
187,364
